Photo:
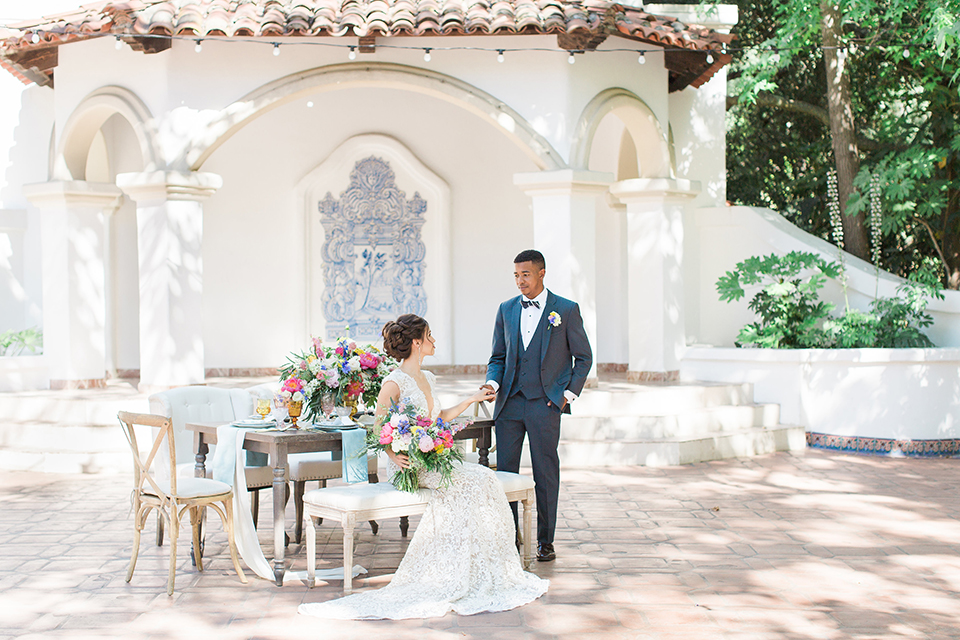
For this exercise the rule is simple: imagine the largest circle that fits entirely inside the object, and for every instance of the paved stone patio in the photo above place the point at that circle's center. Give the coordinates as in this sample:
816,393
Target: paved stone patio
818,545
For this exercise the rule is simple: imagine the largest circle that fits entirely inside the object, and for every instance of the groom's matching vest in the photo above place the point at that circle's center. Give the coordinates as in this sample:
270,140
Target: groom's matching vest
527,381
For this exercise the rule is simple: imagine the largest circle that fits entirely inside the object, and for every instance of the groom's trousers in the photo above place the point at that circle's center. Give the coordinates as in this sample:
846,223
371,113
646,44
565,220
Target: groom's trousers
533,418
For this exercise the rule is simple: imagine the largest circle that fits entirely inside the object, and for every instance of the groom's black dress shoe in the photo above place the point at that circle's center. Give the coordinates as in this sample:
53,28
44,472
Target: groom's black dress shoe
545,552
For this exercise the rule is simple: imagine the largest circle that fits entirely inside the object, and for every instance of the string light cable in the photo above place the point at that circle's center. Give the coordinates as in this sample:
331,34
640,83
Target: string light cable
711,56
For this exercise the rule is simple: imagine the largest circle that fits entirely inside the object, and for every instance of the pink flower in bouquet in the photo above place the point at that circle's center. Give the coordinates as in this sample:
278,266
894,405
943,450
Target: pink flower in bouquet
355,388
386,434
426,443
332,378
318,347
369,361
302,365
292,385
423,421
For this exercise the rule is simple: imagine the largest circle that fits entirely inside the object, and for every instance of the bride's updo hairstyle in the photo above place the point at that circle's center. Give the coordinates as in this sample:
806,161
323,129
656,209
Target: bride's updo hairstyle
398,335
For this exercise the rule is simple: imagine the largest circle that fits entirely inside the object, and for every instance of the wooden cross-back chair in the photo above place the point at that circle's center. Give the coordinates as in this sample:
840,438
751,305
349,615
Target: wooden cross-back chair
172,497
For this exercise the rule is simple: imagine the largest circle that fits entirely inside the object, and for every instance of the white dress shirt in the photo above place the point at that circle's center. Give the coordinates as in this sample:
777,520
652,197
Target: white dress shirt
529,320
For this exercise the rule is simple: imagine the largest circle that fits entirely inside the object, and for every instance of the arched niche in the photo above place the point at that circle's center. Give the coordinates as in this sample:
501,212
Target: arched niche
372,199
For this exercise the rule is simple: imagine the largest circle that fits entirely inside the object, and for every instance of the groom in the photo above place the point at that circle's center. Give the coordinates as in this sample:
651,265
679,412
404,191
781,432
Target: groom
540,360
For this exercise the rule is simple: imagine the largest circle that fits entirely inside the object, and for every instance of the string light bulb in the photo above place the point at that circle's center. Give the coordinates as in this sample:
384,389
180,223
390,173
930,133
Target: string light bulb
906,52
426,55
276,48
571,59
353,53
642,59
499,55
119,44
709,58
35,38
199,46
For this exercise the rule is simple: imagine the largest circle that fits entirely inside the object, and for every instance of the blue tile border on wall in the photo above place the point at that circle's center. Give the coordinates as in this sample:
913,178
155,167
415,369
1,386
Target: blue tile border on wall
885,446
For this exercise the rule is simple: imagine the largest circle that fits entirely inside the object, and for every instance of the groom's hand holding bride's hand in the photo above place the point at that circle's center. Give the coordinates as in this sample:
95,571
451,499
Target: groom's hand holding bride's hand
488,393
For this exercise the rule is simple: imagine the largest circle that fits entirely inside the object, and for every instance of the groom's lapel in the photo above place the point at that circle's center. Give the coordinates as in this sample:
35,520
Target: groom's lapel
547,327
514,328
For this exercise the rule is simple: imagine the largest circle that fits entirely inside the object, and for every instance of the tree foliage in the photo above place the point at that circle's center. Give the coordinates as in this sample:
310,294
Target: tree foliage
904,70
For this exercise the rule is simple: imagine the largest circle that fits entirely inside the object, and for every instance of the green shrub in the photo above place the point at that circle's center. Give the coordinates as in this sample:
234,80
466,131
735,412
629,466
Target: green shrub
792,316
789,306
15,343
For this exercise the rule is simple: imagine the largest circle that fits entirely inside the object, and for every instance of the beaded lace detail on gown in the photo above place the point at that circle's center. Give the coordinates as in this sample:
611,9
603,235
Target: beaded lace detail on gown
462,556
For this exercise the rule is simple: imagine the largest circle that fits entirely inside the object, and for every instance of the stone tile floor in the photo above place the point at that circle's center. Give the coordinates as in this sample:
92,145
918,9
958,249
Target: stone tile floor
817,545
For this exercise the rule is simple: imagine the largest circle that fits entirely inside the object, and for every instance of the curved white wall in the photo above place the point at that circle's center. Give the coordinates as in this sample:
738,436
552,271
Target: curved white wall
719,238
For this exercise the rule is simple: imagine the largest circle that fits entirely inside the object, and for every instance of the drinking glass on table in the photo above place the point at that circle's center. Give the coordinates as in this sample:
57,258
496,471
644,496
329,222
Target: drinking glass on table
263,407
327,404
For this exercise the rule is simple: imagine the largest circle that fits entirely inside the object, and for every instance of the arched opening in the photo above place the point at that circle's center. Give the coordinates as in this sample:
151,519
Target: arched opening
619,134
109,133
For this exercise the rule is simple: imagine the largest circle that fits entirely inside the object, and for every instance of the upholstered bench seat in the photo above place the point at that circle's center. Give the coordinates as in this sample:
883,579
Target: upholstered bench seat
355,503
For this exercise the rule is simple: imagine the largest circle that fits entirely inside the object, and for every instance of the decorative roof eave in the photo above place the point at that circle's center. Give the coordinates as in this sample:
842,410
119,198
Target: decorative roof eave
150,25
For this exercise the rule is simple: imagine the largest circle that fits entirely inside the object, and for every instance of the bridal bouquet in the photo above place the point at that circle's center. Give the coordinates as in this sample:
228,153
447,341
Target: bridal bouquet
346,370
428,444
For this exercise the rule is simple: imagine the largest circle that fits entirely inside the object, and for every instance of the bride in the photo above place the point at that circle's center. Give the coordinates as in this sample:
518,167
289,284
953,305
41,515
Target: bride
462,556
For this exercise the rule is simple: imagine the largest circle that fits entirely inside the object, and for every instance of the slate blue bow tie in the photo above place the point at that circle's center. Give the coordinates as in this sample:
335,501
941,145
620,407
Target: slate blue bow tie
527,303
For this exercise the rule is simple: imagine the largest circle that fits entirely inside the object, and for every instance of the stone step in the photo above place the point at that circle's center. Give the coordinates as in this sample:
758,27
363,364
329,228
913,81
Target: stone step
67,437
67,461
66,408
631,399
661,452
686,424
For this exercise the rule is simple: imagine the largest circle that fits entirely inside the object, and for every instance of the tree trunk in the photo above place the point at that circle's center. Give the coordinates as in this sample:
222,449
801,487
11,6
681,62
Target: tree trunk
842,132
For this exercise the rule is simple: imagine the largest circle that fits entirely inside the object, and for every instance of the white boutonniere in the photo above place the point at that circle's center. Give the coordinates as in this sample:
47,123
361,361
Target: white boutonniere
554,319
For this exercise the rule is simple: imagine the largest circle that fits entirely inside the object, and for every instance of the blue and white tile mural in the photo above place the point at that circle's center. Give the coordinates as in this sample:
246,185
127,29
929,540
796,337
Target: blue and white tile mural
373,255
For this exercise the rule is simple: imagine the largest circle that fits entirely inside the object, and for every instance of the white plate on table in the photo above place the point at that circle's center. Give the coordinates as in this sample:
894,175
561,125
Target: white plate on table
254,423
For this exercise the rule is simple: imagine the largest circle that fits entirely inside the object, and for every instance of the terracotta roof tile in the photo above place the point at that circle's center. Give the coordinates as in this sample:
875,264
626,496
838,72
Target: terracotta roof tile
317,18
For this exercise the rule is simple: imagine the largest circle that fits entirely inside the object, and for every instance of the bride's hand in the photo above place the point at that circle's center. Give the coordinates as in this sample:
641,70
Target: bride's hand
399,459
485,394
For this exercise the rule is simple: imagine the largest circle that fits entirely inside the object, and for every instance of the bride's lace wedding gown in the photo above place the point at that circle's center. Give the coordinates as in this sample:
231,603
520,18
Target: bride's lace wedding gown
462,556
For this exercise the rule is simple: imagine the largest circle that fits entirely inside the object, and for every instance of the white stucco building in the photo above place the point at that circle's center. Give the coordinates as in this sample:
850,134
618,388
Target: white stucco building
177,173
201,186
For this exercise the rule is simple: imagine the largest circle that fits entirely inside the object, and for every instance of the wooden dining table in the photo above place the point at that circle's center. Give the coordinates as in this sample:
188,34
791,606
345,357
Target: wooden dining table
279,444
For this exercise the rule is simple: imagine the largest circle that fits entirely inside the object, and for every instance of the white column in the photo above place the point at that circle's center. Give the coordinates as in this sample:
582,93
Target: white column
565,232
169,242
654,274
73,220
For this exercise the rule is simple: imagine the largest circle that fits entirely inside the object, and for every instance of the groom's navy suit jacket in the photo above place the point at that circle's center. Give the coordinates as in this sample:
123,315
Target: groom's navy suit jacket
565,355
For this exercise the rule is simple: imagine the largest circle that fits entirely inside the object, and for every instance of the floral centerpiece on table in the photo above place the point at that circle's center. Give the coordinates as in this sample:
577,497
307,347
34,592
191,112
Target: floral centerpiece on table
428,444
350,372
